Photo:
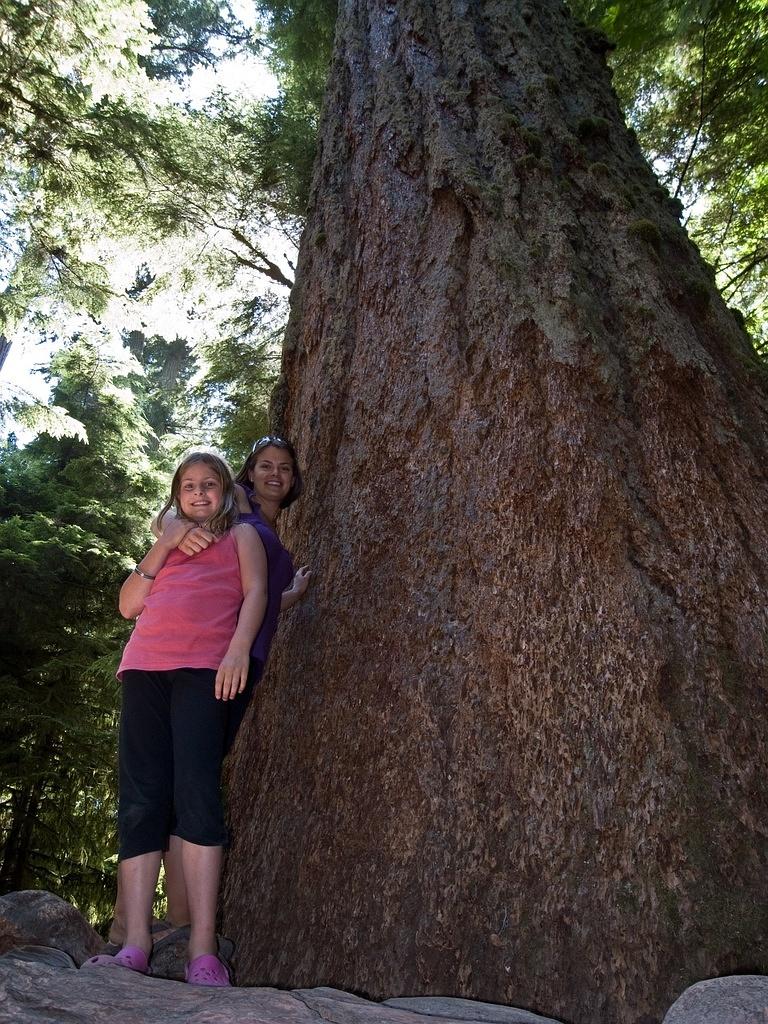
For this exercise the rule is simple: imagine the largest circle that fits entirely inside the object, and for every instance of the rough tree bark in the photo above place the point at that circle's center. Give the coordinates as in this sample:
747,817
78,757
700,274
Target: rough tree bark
513,746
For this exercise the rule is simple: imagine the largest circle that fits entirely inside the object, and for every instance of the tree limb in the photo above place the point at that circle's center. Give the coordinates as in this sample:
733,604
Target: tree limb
270,270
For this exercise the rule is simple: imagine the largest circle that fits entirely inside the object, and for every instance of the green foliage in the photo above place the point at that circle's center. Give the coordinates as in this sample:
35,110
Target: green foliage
301,36
94,151
50,419
188,32
301,33
59,62
162,387
692,77
213,167
57,711
74,515
242,371
280,143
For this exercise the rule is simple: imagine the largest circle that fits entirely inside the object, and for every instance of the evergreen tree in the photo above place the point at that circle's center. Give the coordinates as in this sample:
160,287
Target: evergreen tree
74,517
190,33
162,387
692,78
285,136
242,368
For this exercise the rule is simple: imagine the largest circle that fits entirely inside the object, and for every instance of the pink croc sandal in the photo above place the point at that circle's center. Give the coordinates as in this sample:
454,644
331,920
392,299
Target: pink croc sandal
207,970
130,957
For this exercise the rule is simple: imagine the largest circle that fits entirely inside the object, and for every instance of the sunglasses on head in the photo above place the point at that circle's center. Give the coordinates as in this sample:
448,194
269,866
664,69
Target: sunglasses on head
267,440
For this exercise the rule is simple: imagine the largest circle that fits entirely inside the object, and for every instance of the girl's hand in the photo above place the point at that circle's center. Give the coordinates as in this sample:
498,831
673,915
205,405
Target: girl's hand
187,537
232,675
174,531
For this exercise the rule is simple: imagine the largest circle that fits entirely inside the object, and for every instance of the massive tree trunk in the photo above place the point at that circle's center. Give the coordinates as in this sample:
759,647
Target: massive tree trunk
513,746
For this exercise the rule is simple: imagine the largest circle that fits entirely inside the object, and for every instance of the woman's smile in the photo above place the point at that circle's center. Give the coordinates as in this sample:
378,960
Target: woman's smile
272,474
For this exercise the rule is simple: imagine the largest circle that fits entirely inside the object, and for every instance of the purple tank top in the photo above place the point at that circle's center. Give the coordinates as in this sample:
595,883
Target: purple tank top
280,568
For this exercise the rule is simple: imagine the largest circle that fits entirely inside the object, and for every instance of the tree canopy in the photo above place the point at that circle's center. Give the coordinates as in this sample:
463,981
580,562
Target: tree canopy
693,78
98,154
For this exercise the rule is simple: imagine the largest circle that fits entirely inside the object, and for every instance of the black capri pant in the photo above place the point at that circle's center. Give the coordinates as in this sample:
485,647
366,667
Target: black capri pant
174,736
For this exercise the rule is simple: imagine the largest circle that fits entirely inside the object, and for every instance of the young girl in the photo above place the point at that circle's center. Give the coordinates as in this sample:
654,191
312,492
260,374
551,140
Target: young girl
185,674
270,480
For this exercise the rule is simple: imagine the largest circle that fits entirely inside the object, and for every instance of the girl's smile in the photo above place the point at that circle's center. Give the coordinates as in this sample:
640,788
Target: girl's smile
200,493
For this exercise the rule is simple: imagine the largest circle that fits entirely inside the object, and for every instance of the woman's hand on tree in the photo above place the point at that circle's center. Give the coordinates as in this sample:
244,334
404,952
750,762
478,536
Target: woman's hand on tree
301,581
297,589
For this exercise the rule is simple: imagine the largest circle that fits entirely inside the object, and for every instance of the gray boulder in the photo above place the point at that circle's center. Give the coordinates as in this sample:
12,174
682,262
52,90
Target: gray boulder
169,954
740,999
468,1009
37,994
36,918
48,955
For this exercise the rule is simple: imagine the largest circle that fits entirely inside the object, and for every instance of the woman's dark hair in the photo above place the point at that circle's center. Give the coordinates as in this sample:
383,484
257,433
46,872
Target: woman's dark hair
272,441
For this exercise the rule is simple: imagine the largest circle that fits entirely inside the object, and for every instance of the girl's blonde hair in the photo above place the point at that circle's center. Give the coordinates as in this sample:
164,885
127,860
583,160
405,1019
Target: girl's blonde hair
227,515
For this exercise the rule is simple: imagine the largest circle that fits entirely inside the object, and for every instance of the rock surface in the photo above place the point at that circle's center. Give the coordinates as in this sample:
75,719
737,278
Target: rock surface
39,994
36,993
49,956
466,1009
10,936
39,985
169,955
33,917
741,999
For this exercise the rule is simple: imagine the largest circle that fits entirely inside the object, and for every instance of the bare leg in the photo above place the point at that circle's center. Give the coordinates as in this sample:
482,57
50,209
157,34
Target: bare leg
202,871
117,928
139,879
177,912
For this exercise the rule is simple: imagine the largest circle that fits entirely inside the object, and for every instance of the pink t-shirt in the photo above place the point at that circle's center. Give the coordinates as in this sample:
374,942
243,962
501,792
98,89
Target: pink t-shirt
190,614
